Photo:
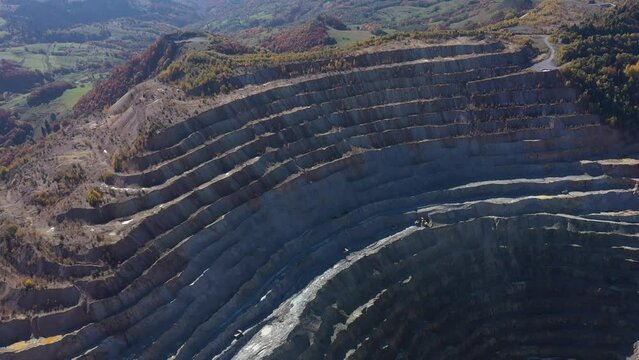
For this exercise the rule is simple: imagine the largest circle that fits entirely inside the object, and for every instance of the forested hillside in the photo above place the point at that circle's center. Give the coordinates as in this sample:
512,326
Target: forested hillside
32,20
603,56
230,15
156,57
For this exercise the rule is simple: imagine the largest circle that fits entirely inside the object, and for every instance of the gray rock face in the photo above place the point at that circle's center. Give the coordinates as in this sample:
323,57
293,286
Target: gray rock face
289,216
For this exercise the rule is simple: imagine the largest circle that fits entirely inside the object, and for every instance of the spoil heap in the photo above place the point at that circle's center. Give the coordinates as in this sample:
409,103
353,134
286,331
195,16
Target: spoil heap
288,214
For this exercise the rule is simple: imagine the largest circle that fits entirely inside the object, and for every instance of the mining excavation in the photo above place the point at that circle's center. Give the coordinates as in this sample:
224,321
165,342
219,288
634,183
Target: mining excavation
439,202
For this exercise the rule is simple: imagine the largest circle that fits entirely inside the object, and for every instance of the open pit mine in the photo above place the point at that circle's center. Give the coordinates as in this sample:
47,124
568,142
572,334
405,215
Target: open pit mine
444,202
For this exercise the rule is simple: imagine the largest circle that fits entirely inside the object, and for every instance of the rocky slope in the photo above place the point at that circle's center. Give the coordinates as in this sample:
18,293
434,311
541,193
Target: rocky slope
289,214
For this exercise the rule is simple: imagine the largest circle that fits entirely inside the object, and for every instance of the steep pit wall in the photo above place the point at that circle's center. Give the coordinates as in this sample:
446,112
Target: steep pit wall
489,288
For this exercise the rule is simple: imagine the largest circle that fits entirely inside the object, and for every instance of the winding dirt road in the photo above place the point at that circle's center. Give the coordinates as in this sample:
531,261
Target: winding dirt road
547,64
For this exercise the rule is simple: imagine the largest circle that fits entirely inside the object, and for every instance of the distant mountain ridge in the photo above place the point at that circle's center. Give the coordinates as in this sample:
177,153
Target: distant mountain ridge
31,19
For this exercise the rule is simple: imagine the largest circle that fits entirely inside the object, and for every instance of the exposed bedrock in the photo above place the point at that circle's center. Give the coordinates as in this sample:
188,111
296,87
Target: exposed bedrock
289,215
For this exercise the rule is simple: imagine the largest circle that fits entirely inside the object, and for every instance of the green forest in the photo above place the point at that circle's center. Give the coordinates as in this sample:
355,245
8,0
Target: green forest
603,60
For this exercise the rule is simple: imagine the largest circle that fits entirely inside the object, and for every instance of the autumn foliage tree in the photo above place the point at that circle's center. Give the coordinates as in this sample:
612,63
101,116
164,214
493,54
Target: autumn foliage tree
15,78
300,38
12,131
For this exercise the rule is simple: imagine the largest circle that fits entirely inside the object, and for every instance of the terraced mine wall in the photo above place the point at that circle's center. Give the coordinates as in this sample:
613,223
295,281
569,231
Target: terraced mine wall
295,69
291,215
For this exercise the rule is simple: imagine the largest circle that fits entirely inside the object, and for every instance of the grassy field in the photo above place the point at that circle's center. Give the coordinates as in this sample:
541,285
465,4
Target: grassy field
62,105
70,97
262,16
349,37
16,102
399,14
420,18
50,57
24,57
